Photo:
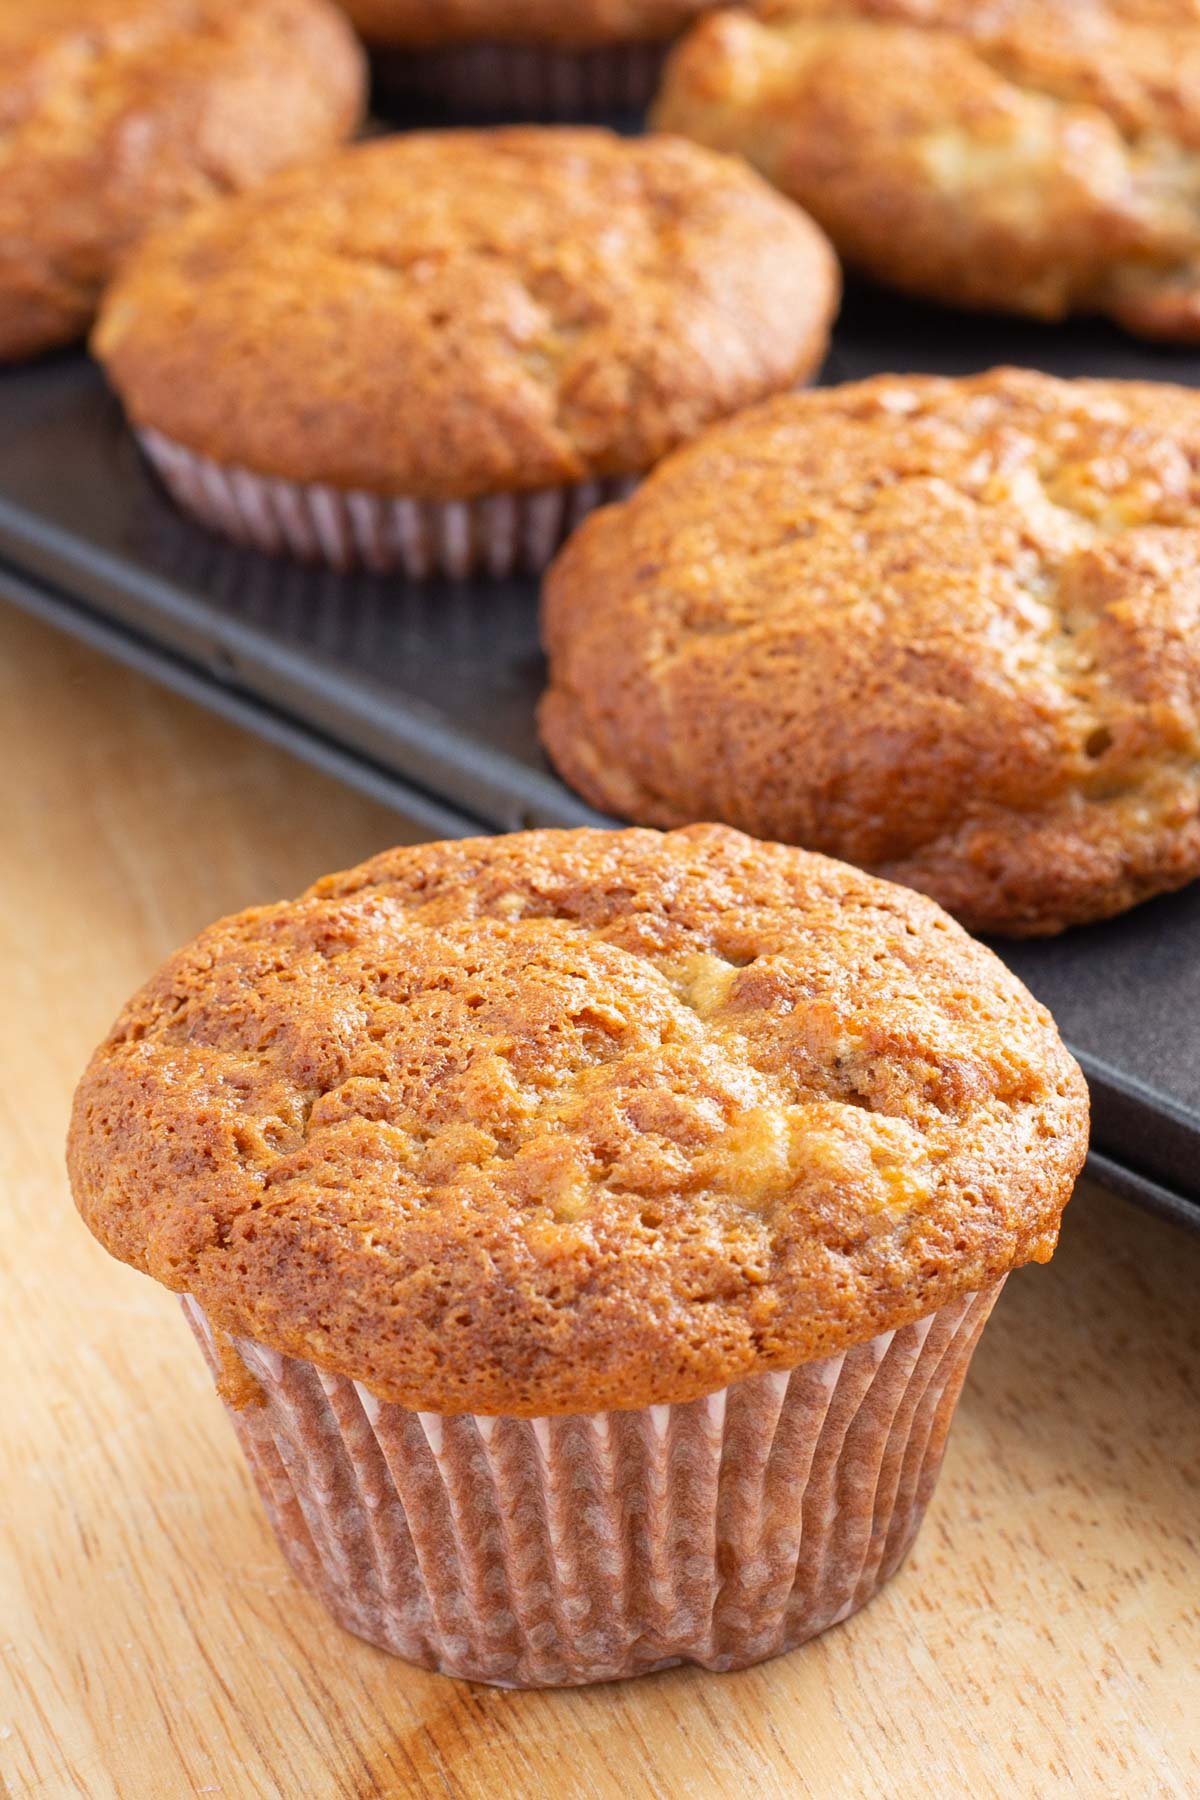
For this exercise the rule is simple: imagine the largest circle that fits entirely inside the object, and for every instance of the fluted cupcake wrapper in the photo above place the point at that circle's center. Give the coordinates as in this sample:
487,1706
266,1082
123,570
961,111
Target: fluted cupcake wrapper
496,535
521,81
591,1547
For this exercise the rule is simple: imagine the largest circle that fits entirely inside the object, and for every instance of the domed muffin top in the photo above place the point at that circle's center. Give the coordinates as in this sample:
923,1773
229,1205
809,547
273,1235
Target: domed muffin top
1041,155
117,116
946,629
450,314
579,24
573,1120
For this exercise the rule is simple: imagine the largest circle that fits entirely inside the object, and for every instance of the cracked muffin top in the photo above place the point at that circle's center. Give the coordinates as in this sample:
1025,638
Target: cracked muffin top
946,629
1041,156
446,315
583,23
566,1121
117,116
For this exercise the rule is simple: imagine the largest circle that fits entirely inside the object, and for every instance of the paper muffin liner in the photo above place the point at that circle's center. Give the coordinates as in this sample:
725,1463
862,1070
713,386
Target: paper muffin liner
497,535
551,1552
520,81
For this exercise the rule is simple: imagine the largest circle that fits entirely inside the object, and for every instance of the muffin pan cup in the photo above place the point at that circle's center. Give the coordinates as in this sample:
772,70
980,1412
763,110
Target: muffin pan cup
541,82
497,535
550,1552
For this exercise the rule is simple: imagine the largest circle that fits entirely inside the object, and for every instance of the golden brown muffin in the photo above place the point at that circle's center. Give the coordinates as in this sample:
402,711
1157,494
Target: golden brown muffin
578,25
572,1120
588,1232
456,314
948,630
118,115
1041,156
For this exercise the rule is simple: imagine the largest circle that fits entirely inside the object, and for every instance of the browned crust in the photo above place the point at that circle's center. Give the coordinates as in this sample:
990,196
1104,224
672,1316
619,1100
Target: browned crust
571,1120
451,314
1037,155
578,24
948,630
120,115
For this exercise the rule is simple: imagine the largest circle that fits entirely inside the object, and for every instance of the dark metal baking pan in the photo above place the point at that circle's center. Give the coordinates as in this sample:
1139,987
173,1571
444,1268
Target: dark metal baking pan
424,695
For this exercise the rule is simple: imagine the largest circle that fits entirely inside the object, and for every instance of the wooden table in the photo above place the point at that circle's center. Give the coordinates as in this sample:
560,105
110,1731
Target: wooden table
1044,1638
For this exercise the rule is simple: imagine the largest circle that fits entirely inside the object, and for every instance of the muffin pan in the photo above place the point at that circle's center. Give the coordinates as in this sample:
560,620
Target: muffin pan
424,695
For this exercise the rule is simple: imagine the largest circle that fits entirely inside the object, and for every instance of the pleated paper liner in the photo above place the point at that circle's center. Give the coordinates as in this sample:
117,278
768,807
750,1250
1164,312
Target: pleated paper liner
591,1547
540,82
498,535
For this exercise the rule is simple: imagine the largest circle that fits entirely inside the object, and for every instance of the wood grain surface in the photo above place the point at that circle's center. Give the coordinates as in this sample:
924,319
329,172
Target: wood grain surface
1044,1638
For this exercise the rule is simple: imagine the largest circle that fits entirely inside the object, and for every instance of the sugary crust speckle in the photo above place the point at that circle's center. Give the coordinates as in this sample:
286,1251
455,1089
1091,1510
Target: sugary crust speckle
948,630
578,24
1036,155
117,116
447,315
573,1120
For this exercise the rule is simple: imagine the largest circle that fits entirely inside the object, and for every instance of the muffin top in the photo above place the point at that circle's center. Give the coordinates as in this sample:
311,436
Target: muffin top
1041,155
949,630
574,1120
578,24
451,314
118,115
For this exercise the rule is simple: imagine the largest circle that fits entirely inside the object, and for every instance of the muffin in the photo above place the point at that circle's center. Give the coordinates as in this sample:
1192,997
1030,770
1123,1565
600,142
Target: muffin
589,1231
529,59
1035,156
119,115
948,630
435,352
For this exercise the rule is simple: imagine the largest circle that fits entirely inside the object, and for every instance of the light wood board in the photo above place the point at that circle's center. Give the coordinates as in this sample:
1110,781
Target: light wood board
1044,1638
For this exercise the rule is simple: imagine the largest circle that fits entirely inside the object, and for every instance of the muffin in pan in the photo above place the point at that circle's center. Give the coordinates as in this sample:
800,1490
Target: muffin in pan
1034,156
946,629
589,1230
521,59
435,352
117,116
